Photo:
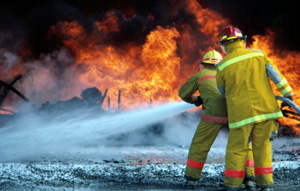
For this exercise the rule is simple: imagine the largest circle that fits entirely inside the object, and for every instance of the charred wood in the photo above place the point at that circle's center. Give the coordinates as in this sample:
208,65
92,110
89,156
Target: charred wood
8,87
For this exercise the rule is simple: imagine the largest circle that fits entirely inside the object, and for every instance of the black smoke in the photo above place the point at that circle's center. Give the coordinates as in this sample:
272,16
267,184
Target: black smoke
26,24
256,16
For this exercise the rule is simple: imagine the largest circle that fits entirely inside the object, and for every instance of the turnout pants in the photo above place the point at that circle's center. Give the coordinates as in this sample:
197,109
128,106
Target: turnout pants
237,151
204,137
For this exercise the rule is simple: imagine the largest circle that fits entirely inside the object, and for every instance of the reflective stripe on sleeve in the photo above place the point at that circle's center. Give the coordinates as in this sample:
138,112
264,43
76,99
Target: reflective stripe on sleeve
263,170
286,90
206,77
250,163
212,119
195,164
273,74
221,90
234,173
239,58
281,83
255,119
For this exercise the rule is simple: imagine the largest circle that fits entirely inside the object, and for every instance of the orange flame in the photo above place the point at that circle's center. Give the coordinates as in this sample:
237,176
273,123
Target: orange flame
156,69
142,73
152,71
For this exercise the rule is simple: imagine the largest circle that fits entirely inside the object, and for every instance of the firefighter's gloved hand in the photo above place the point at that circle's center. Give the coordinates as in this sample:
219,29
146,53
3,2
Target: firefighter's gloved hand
283,104
198,101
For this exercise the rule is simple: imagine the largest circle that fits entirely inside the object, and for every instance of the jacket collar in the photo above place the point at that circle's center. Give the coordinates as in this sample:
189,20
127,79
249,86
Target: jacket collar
234,45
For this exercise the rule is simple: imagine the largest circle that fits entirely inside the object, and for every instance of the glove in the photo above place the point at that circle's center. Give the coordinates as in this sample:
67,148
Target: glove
198,101
283,104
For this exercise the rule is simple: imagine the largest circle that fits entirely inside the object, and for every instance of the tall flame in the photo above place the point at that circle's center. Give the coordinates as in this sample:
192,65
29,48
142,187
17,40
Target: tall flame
142,73
151,71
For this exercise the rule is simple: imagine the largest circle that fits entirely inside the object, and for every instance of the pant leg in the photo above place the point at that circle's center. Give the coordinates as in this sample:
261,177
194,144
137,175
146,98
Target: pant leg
204,137
262,151
249,164
236,154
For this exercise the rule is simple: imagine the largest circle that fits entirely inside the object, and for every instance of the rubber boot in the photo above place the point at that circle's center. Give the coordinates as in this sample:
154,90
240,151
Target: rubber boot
249,184
190,184
221,187
267,189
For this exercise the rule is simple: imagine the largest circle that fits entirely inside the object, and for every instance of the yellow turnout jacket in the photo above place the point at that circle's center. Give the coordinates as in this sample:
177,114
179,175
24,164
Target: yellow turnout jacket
214,104
242,77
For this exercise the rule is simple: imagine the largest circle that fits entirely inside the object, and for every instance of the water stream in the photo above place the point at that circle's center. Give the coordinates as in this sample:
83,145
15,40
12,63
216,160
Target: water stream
35,133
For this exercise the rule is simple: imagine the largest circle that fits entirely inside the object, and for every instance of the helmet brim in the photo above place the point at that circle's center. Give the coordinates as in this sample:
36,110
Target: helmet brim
207,63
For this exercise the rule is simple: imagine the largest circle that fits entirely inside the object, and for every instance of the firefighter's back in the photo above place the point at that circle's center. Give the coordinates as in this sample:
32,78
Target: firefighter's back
247,87
214,103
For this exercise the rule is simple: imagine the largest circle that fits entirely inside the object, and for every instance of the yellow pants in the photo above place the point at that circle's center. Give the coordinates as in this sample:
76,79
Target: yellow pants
204,137
237,150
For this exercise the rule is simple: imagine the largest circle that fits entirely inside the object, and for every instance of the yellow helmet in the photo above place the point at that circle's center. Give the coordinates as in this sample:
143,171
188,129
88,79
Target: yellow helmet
212,57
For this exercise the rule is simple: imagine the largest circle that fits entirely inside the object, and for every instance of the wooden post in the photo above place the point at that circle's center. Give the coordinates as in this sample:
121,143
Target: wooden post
108,103
119,100
102,98
150,103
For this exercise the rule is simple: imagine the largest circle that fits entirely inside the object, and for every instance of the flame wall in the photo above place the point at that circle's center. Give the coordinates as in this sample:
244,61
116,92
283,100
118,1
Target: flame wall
147,49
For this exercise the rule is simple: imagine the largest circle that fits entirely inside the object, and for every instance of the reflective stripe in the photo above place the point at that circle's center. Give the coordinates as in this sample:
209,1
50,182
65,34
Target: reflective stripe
225,36
282,83
250,163
255,119
286,90
239,58
221,90
212,119
255,50
206,77
212,59
232,37
263,170
234,173
195,164
273,74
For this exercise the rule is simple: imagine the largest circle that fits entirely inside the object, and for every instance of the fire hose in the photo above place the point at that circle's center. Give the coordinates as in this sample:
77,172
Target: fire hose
288,113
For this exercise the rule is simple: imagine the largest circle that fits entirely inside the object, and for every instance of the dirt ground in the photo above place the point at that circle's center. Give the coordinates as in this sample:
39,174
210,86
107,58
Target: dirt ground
151,159
150,168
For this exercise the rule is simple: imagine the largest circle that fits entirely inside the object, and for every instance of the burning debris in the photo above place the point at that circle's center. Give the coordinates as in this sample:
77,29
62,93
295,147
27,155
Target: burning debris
90,98
9,87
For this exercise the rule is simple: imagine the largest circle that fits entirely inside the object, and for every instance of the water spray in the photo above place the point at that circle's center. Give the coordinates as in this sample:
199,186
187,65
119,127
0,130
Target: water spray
33,134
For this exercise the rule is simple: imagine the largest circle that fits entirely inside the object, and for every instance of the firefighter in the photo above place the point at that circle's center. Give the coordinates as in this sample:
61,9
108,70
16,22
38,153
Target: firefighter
212,121
243,78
